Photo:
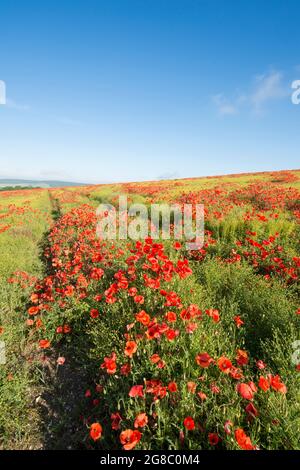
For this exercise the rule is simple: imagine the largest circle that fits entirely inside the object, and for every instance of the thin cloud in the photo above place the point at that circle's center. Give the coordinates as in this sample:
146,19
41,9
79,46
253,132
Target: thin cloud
224,106
267,88
13,105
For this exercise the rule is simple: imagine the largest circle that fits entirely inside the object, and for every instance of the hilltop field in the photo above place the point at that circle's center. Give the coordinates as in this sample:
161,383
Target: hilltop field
142,344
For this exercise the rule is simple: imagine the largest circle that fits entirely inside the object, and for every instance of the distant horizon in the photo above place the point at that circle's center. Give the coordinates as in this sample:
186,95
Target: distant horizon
87,183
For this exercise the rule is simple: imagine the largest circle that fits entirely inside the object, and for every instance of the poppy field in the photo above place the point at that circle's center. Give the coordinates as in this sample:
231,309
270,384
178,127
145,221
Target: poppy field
125,344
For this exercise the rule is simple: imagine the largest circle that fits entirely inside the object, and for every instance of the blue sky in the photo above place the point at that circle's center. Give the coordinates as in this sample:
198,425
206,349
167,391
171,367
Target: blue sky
119,90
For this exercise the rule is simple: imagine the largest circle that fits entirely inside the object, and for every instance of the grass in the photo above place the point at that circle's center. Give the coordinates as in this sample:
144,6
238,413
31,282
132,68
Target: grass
19,251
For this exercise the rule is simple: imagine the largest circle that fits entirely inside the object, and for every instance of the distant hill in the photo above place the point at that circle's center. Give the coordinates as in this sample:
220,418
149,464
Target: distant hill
38,183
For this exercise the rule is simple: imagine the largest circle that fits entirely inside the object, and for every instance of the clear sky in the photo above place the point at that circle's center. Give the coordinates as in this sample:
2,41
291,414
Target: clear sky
118,90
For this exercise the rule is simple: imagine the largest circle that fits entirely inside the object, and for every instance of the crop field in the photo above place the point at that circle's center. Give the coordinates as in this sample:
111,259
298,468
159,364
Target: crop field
143,344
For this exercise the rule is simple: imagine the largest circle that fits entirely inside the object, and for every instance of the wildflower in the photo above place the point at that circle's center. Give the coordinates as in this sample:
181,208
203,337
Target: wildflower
242,357
245,391
33,310
136,391
172,387
131,348
129,438
139,299
227,427
224,364
260,364
251,410
243,441
61,360
125,369
177,245
143,318
214,314
110,364
94,313
191,327
204,360
115,421
264,383
44,343
191,386
66,329
141,420
238,321
202,396
213,438
154,358
96,431
214,388
132,291
189,423
171,334
161,364
171,317
236,373
276,384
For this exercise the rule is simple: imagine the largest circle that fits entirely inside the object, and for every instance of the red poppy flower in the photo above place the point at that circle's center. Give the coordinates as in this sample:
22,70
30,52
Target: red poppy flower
245,391
141,420
191,327
66,329
251,410
243,441
136,391
238,321
96,431
202,396
129,438
171,317
213,438
227,427
139,299
236,373
224,364
177,245
143,318
191,386
110,364
171,334
189,423
94,313
44,343
276,384
204,360
242,357
264,384
214,314
131,348
172,387
33,310
125,369
115,421
260,364
154,358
